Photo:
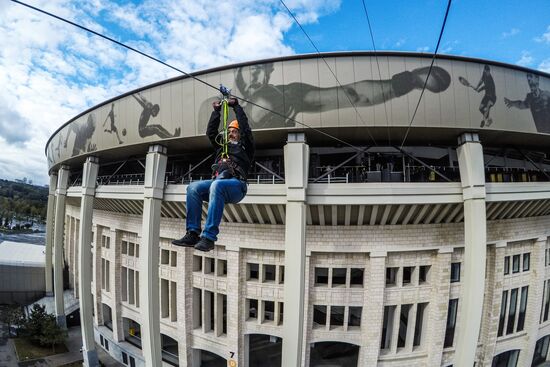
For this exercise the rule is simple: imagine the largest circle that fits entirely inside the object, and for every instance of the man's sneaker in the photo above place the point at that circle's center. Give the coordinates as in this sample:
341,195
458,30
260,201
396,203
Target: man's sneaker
189,240
204,245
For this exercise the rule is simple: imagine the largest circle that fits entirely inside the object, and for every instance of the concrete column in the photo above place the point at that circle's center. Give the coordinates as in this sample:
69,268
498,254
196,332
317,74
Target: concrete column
61,194
96,276
296,155
534,300
49,234
472,176
153,191
116,286
89,177
373,309
185,306
235,305
440,279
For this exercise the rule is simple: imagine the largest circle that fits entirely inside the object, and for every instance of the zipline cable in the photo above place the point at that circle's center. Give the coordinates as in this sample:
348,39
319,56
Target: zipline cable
183,72
379,72
330,69
429,71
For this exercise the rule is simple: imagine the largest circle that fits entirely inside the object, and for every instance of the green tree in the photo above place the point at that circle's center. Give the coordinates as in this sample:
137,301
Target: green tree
51,333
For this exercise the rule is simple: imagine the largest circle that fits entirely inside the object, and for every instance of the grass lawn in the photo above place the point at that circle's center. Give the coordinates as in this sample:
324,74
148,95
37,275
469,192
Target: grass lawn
26,350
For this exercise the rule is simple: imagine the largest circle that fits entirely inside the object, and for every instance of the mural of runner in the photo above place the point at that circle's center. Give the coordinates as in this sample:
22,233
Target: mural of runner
538,101
486,83
83,135
151,110
113,128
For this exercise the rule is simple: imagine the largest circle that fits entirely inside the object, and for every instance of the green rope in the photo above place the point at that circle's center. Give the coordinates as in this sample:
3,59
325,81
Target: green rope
225,137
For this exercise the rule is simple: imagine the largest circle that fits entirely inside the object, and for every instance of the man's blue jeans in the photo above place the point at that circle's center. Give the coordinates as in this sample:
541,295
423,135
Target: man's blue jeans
217,193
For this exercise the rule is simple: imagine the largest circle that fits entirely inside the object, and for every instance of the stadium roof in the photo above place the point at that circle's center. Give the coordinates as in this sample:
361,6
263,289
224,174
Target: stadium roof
22,254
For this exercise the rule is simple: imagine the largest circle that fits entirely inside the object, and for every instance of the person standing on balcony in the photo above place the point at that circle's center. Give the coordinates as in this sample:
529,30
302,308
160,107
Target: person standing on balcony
228,183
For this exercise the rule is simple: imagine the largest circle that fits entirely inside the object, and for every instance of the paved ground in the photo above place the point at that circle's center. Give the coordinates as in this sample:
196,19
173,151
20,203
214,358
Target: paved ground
7,353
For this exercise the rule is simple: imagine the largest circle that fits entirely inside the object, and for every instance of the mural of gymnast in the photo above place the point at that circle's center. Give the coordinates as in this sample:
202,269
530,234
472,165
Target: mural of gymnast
151,110
113,128
83,135
538,101
363,93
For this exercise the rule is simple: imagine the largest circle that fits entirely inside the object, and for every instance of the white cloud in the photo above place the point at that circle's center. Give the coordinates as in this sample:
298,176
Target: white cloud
51,71
512,32
526,59
544,66
545,37
423,49
400,42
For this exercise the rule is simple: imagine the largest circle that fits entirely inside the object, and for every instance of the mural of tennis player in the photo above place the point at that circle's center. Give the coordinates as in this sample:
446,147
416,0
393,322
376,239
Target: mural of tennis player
538,101
83,135
293,98
113,129
151,110
487,84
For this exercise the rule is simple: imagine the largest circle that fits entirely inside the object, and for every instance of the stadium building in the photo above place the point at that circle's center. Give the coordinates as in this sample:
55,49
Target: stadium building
376,230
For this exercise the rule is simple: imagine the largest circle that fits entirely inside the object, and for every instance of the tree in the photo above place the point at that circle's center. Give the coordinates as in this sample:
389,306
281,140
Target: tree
12,316
51,333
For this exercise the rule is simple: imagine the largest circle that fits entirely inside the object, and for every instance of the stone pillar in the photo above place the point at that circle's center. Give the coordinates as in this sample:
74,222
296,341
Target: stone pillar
373,309
89,177
472,176
534,300
153,191
96,276
116,286
296,155
49,234
61,194
235,305
439,305
185,306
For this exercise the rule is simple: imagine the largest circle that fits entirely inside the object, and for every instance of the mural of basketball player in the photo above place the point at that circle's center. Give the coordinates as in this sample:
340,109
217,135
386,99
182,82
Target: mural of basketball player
83,135
151,110
487,84
538,101
310,98
113,128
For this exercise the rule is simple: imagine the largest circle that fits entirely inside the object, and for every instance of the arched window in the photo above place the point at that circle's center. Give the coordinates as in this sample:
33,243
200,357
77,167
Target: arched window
541,350
506,359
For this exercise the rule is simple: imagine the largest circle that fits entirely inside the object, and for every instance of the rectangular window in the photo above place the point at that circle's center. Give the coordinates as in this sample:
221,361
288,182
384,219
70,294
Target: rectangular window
174,259
209,265
403,324
124,282
424,274
269,273
387,327
210,299
451,323
336,316
546,301
125,358
131,249
515,264
503,304
197,308
164,298
124,247
354,316
526,261
391,276
407,274
321,276
197,263
252,308
420,308
319,315
224,314
281,274
281,312
522,308
338,277
137,288
173,302
253,271
222,267
164,257
455,272
506,265
356,277
137,249
512,311
269,310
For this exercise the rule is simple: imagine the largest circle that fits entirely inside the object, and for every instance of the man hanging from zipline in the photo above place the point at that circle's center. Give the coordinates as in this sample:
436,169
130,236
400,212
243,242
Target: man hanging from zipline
234,153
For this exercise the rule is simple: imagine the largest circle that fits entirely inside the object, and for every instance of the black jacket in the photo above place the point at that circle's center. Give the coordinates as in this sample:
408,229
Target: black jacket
241,154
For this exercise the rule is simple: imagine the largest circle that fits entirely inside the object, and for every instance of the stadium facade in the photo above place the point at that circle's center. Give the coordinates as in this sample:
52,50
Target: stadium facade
365,239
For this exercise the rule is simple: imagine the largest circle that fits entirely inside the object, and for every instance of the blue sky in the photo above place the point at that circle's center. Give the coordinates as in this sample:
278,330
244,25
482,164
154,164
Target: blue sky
50,71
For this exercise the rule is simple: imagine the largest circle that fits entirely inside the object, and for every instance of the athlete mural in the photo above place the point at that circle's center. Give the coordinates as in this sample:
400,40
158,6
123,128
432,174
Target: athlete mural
302,97
113,128
487,84
538,101
151,110
83,134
